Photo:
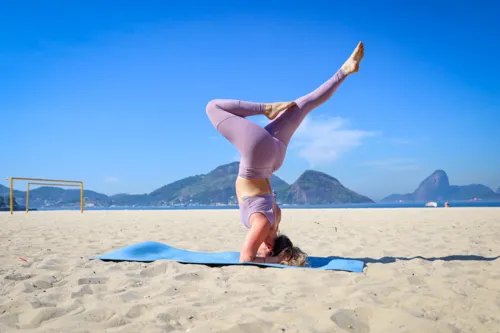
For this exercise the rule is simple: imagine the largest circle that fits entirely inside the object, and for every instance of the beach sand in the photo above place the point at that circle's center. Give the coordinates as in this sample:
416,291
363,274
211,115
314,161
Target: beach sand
58,289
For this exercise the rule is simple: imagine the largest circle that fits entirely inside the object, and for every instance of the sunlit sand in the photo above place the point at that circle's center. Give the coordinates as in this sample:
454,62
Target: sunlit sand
48,283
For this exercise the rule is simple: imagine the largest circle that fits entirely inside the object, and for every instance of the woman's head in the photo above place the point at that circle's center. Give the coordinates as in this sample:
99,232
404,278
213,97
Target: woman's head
297,256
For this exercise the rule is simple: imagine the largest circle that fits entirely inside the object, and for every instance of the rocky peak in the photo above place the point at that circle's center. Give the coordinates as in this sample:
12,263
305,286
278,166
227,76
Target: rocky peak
434,187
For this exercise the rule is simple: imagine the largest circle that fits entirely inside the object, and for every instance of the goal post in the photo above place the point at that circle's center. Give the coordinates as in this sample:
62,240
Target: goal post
46,182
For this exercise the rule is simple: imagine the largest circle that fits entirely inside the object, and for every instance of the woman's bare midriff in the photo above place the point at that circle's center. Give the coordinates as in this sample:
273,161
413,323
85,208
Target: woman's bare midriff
258,186
252,187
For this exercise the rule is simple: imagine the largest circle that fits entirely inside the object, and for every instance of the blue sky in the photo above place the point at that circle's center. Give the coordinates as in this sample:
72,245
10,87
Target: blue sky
114,93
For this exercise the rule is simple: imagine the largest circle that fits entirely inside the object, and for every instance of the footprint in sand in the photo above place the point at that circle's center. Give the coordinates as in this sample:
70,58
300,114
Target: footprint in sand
136,283
190,277
168,318
138,310
165,328
116,321
53,296
416,281
348,320
129,296
171,291
10,320
93,280
270,308
180,317
9,312
13,276
155,269
51,264
81,291
98,315
37,303
45,282
105,317
253,327
26,287
378,319
168,322
34,318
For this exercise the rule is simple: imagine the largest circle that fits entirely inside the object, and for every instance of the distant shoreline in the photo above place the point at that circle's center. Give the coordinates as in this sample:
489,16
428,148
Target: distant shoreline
16,209
453,204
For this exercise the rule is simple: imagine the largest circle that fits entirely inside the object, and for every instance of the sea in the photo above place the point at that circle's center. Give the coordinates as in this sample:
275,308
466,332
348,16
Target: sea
477,203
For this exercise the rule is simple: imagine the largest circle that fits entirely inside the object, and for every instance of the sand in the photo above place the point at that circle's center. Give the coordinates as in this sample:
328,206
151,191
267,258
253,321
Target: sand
58,289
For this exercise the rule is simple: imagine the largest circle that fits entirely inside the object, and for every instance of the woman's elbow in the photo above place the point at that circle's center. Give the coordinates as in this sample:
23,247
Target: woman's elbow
246,257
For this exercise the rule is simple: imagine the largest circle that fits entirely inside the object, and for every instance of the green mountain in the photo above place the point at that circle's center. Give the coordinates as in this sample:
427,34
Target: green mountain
436,187
56,196
317,188
124,199
215,187
5,199
5,191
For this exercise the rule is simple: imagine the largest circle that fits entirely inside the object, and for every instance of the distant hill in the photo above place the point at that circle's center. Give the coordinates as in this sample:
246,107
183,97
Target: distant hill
498,190
215,187
436,187
316,188
399,197
55,196
5,191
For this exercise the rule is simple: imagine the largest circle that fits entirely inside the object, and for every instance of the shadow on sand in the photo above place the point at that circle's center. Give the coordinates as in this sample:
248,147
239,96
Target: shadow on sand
389,260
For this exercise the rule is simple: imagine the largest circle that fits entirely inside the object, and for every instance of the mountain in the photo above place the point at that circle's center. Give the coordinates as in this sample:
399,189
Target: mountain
5,202
398,198
5,191
215,187
317,188
124,199
434,187
437,187
498,190
53,196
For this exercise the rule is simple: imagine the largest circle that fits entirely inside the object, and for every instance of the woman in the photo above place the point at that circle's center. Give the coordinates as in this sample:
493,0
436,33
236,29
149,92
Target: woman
262,152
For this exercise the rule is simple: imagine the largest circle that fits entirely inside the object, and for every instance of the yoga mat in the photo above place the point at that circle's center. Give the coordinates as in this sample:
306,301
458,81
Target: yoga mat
152,251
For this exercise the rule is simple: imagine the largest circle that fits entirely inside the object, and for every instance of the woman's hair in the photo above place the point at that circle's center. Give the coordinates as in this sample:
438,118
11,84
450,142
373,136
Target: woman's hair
297,256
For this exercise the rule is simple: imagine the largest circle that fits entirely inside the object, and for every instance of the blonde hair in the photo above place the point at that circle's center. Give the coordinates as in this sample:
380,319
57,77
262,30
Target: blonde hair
297,256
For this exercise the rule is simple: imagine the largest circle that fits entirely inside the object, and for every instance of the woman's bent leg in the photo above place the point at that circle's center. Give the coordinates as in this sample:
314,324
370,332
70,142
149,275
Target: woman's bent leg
228,117
219,110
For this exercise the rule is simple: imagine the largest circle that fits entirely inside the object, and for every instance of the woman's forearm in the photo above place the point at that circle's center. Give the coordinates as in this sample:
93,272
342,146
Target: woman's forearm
262,260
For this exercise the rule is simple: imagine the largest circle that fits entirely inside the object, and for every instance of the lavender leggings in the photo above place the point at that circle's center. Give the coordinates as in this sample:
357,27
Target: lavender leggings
263,149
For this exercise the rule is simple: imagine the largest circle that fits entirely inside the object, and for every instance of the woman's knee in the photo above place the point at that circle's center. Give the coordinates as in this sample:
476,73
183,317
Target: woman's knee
215,113
212,106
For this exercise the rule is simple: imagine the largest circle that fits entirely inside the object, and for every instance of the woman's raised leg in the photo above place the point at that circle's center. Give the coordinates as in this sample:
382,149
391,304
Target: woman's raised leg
285,125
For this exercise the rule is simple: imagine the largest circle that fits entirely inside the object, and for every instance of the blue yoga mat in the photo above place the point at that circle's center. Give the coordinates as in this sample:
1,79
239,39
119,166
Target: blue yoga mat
152,251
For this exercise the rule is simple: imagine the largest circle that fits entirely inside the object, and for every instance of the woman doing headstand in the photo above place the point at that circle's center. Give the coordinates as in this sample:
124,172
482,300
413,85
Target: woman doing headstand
262,151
